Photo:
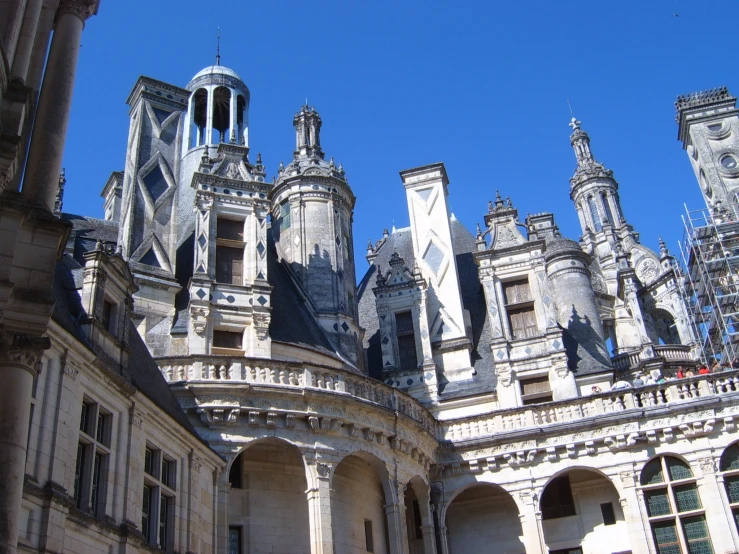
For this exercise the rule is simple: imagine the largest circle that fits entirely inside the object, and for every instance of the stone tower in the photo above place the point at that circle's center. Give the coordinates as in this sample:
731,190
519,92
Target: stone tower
312,214
708,127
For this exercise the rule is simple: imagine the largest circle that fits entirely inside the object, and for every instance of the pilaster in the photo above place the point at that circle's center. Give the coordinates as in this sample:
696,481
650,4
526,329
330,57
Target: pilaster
318,475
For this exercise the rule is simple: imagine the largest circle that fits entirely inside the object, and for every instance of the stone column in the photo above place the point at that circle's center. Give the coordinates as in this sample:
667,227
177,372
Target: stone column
530,516
209,117
318,476
396,524
632,504
52,116
718,517
26,40
232,127
20,355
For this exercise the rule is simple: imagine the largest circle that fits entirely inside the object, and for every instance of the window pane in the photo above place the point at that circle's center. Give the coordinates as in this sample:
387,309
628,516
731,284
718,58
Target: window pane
730,459
696,532
85,416
102,429
96,483
229,265
234,540
163,519
149,456
515,292
78,470
652,473
687,498
658,502
678,469
523,322
146,512
665,535
732,489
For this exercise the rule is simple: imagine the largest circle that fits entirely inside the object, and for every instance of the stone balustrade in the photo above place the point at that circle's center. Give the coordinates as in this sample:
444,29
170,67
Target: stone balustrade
298,375
550,413
265,372
668,352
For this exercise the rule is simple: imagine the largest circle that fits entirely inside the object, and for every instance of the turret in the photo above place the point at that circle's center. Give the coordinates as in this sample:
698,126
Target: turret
593,188
312,215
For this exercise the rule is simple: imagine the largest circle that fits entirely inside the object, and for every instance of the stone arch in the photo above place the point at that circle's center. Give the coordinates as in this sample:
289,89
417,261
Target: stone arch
419,519
482,517
198,117
580,507
221,114
267,503
360,490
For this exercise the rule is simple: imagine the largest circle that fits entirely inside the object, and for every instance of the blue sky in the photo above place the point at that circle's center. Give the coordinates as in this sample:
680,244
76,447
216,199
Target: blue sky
481,86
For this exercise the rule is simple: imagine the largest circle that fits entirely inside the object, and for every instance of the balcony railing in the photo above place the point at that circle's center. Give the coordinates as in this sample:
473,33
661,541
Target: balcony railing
668,352
295,374
575,409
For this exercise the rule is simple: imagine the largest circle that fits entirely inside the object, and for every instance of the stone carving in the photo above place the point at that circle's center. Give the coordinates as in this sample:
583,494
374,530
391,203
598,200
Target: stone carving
628,478
520,458
323,470
84,9
136,417
647,270
707,465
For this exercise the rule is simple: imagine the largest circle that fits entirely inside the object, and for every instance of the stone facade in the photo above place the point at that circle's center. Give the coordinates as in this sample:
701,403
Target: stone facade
198,373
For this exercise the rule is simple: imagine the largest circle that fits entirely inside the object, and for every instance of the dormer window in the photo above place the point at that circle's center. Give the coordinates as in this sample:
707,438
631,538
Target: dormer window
520,309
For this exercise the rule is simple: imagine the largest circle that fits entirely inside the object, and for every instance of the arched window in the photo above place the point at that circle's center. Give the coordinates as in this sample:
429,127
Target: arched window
607,207
594,215
674,508
730,468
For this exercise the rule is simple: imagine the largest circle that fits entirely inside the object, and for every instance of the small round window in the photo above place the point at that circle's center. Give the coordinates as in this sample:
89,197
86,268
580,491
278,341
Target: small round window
729,162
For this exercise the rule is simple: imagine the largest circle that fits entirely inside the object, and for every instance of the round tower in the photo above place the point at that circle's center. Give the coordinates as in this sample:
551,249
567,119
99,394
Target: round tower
312,216
577,312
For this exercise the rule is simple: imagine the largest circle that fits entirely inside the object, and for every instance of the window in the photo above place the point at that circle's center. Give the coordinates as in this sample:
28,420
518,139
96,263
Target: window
234,540
368,539
606,207
674,508
230,251
107,316
417,519
93,453
227,339
157,507
520,309
557,501
594,214
284,215
730,470
406,340
345,244
609,515
536,390
576,550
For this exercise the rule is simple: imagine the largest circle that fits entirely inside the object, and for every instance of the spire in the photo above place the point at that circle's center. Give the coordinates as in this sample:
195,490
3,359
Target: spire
580,143
307,125
218,47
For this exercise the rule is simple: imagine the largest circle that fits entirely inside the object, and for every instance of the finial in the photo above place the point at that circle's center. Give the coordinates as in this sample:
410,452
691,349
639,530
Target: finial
331,162
479,232
575,124
508,201
663,252
259,158
370,248
498,199
218,47
281,168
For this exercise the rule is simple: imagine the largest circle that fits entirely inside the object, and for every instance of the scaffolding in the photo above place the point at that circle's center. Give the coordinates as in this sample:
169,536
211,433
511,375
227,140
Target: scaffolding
710,280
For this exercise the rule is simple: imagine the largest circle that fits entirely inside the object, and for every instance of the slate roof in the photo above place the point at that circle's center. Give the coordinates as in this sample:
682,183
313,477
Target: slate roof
292,321
473,299
86,231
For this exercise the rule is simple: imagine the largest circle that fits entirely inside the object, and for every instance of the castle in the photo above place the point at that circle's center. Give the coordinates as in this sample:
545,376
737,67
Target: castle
199,371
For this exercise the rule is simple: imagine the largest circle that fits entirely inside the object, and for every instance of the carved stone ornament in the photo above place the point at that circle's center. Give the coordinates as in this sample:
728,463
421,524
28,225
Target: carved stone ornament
628,478
137,418
84,9
708,465
22,349
261,325
505,375
323,470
